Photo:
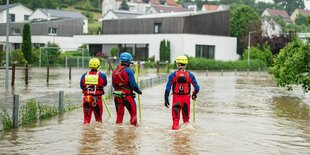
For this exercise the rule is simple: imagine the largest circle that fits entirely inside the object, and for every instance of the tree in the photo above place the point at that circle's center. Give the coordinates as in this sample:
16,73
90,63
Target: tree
168,50
162,50
243,20
301,20
26,44
290,5
309,19
87,6
291,66
124,5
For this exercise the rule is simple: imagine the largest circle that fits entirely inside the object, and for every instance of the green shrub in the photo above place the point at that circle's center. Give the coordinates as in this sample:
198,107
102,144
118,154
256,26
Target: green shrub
18,57
203,64
263,54
6,121
29,112
113,51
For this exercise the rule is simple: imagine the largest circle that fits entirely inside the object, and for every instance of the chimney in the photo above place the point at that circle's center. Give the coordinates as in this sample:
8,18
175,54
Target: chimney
48,16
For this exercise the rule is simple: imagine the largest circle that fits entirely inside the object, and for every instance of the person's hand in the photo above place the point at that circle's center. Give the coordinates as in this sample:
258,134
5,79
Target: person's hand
194,96
139,92
167,104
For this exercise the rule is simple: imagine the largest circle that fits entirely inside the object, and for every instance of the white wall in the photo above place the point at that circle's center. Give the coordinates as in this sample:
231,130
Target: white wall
19,12
307,4
37,15
65,43
225,47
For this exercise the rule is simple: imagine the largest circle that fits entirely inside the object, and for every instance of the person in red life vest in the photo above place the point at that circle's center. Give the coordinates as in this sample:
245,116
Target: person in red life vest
92,83
124,83
181,81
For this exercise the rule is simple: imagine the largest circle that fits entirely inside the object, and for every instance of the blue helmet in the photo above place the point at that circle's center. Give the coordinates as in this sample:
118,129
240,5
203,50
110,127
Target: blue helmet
125,57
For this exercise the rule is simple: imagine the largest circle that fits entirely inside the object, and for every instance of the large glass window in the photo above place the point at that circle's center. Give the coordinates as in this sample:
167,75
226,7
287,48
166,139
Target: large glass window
205,51
15,31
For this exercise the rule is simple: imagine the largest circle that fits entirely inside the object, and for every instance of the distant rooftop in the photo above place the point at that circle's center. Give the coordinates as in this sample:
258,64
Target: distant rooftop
3,7
62,13
125,14
164,8
174,14
281,13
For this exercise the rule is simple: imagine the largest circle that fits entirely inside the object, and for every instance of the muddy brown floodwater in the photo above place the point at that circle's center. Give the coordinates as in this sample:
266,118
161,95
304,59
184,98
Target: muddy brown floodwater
235,115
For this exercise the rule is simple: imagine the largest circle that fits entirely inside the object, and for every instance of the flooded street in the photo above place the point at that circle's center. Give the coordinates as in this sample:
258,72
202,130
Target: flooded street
234,115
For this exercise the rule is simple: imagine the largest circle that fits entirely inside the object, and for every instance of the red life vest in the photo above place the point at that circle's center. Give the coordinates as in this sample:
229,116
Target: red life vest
181,84
91,84
120,79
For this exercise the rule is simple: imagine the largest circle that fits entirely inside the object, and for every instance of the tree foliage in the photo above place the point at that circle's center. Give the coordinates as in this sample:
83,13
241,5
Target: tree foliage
162,49
290,5
26,44
302,20
124,5
262,53
18,57
292,65
243,20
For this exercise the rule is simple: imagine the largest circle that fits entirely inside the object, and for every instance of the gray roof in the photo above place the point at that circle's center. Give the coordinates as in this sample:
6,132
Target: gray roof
62,13
3,7
125,14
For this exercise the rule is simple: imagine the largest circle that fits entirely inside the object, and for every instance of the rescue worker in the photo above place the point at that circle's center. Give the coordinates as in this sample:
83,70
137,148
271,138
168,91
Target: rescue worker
181,81
124,83
92,83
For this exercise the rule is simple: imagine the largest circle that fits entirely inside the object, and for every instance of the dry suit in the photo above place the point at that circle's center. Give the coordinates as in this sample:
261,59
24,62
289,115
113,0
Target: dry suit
124,84
92,83
181,82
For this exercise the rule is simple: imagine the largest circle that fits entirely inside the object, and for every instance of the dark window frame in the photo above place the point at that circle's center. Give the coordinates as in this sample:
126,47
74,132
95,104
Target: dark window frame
12,17
205,51
52,31
157,27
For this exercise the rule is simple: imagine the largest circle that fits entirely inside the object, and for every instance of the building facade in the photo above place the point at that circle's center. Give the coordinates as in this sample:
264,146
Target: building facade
194,34
17,13
60,32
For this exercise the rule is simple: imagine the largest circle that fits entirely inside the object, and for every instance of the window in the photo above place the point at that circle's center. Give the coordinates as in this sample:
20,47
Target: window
16,46
52,31
12,17
205,51
15,31
26,17
157,27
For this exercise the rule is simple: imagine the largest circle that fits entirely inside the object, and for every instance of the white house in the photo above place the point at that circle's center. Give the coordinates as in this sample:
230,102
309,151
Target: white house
188,33
49,14
18,13
307,4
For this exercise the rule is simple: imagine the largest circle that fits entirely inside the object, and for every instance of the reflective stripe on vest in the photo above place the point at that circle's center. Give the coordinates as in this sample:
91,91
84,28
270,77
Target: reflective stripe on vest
92,79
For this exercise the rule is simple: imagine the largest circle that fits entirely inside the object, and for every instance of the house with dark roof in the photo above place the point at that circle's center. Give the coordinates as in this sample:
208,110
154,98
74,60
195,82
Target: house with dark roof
50,14
17,13
197,34
297,12
277,13
59,31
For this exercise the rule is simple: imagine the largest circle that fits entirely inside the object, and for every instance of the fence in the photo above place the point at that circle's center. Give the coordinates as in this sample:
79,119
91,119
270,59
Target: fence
18,110
236,72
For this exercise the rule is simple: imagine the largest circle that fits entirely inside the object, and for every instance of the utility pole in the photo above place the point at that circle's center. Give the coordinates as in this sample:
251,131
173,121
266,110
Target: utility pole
249,47
7,47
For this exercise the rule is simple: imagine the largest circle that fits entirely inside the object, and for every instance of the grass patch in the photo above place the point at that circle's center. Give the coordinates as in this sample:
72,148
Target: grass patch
6,121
